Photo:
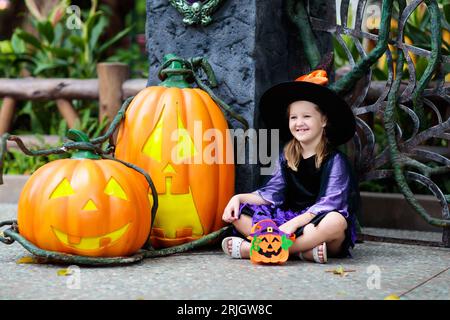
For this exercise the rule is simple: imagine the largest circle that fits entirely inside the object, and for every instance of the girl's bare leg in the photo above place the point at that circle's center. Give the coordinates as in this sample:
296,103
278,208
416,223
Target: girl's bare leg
244,226
330,230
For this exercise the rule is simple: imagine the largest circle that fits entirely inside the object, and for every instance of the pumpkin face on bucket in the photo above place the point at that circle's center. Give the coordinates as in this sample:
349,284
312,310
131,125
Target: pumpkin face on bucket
163,134
268,243
85,207
270,246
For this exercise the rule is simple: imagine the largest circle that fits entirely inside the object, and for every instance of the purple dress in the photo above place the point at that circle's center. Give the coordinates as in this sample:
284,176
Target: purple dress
332,187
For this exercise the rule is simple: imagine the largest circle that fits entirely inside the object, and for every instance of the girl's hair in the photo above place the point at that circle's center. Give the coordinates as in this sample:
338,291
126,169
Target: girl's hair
293,150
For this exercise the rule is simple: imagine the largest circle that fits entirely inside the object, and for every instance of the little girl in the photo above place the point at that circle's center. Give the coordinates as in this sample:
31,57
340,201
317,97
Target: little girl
313,192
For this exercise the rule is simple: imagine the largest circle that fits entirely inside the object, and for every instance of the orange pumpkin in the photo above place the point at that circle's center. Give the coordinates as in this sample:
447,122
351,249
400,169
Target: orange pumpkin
268,243
85,207
192,190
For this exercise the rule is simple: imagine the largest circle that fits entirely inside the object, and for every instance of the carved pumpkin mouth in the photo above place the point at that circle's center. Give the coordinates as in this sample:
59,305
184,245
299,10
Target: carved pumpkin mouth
269,254
90,243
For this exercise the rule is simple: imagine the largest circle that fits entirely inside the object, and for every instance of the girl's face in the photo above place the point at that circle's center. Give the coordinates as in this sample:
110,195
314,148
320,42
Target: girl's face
306,123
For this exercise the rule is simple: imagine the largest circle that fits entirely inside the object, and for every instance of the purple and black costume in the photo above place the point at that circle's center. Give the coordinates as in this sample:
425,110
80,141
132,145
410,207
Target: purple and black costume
332,187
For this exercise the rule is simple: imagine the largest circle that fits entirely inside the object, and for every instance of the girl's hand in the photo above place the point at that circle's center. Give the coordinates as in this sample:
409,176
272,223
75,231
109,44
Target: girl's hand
292,225
289,227
231,212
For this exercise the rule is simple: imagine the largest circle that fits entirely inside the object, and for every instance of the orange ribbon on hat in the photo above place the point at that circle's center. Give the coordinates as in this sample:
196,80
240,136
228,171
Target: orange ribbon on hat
316,76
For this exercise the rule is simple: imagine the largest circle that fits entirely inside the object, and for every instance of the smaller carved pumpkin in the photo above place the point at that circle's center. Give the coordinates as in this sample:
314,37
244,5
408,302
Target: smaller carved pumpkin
86,206
269,244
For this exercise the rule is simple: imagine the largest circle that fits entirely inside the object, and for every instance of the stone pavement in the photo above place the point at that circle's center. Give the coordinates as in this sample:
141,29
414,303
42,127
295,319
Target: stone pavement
381,269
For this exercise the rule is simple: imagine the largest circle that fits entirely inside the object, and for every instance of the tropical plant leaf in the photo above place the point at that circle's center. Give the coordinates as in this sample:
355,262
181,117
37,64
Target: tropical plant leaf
423,23
113,40
91,22
45,28
29,38
34,10
18,44
59,35
61,53
97,30
62,129
77,41
27,109
6,47
58,11
417,35
42,67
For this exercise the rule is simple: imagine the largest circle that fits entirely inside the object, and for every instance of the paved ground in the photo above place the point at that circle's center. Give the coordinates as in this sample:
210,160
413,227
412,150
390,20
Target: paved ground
381,269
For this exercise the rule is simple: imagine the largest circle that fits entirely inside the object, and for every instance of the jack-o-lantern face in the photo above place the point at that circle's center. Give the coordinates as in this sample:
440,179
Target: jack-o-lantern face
159,135
268,243
85,207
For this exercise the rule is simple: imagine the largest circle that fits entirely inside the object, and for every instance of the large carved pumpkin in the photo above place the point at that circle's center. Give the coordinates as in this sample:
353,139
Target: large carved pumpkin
163,134
86,207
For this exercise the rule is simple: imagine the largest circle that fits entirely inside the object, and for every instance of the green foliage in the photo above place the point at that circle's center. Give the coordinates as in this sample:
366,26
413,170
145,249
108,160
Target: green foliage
133,54
41,117
57,51
340,56
68,47
16,162
88,124
63,46
12,56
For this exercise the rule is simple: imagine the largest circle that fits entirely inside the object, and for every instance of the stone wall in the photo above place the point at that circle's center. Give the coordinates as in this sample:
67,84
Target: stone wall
251,45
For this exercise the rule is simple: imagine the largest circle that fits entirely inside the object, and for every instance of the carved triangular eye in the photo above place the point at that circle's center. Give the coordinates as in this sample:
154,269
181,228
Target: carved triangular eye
185,145
185,148
153,146
114,189
64,189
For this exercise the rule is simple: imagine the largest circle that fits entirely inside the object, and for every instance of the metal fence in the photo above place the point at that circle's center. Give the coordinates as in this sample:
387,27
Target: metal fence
407,158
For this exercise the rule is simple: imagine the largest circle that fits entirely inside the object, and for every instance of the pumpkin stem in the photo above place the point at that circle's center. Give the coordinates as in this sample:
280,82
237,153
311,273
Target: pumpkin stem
174,73
79,136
